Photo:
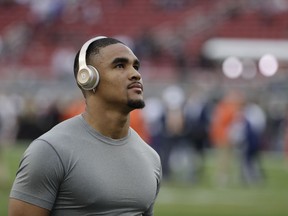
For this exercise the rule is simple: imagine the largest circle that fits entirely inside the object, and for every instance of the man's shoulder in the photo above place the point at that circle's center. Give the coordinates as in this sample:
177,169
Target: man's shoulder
67,125
142,144
63,132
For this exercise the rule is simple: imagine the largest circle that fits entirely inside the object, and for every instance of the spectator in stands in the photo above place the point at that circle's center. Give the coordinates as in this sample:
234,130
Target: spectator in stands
45,11
15,39
170,4
61,62
85,12
91,11
146,46
93,163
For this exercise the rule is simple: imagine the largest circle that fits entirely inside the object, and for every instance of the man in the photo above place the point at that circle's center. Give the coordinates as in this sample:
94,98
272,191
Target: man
93,163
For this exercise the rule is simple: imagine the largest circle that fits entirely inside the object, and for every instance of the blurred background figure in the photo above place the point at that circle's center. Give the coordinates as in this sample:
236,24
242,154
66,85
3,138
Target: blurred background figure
285,139
254,120
8,129
226,132
197,113
72,108
154,116
8,118
139,124
174,125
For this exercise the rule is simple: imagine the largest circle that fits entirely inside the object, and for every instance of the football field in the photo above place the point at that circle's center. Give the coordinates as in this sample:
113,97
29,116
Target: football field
179,200
182,198
269,198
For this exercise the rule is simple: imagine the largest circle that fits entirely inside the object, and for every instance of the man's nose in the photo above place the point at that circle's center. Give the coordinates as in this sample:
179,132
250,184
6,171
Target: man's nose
135,75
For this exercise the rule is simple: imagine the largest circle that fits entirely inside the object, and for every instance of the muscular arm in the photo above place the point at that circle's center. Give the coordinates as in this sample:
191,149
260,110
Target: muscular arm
20,208
35,187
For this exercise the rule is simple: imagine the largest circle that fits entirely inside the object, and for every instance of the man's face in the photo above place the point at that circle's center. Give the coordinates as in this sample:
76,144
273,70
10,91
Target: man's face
120,82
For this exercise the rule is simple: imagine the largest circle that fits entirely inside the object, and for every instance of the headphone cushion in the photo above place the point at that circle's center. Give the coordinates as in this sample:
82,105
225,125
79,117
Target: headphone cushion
88,77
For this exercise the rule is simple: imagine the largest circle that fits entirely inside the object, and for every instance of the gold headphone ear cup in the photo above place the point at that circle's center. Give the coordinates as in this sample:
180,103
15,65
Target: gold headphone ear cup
95,76
88,77
83,76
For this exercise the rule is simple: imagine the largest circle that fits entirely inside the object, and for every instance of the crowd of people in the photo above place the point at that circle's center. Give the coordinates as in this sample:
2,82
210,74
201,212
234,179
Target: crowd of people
182,126
232,125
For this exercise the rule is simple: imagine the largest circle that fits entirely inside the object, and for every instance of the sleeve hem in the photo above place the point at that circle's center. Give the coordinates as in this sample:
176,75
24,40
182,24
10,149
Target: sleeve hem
31,199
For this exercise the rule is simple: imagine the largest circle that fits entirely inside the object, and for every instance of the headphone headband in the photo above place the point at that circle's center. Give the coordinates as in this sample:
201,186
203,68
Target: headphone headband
87,76
82,54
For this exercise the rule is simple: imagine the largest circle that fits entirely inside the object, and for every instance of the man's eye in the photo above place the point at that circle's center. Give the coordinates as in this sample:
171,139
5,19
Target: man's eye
120,66
136,67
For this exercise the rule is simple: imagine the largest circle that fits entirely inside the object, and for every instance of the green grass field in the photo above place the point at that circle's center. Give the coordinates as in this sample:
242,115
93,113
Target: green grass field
180,198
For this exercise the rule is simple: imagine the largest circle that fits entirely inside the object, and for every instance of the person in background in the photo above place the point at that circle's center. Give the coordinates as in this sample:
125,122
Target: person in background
254,119
93,163
224,119
173,98
139,124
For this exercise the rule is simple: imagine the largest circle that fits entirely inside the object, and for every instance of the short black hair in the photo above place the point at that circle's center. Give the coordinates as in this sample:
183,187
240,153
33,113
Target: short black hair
93,49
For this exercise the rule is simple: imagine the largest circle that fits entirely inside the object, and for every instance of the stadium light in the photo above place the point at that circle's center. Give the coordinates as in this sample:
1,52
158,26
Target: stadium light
232,67
268,65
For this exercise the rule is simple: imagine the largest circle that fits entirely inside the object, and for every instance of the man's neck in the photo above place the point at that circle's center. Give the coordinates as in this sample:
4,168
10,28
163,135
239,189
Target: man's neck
108,122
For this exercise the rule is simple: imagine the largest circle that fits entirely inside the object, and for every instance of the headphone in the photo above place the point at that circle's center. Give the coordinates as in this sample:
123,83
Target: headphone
87,76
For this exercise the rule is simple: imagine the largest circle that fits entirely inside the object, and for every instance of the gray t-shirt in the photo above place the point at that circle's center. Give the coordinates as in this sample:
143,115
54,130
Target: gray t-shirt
73,170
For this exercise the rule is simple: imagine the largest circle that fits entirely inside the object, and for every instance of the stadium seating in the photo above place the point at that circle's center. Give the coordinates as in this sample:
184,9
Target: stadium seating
199,20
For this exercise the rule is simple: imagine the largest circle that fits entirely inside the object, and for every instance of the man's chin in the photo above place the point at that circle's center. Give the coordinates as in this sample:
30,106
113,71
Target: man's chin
136,104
